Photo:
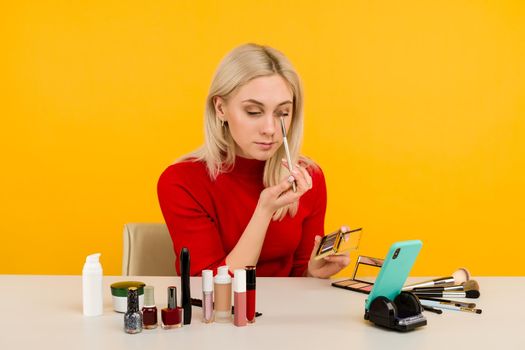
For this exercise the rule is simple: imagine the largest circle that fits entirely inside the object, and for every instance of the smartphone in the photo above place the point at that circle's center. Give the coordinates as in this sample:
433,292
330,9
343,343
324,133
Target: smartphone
394,272
338,241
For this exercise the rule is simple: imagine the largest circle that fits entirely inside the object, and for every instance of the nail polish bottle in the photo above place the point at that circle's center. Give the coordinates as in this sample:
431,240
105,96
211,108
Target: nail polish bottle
149,311
133,317
250,293
223,295
172,315
239,297
207,296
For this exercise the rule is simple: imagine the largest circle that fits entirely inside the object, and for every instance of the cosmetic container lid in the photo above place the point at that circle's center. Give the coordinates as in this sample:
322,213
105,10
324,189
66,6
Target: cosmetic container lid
207,280
223,275
149,296
239,280
250,277
120,289
172,297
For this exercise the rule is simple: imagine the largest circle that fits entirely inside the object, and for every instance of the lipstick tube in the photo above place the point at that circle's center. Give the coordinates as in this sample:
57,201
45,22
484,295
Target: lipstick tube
207,296
250,293
239,297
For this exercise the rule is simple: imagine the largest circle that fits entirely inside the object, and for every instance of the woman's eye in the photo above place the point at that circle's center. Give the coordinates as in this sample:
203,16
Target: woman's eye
253,113
282,114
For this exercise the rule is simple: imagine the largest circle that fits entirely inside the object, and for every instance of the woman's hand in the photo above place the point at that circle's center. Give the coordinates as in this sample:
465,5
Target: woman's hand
273,198
327,266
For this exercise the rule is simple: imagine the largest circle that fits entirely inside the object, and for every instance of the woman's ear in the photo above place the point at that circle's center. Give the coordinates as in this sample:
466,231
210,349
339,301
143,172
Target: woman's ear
219,104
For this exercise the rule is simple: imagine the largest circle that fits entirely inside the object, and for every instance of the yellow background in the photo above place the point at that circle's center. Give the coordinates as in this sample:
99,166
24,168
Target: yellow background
414,109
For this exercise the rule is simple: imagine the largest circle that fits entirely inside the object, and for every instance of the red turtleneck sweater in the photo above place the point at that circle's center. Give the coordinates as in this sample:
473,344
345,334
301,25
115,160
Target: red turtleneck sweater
208,217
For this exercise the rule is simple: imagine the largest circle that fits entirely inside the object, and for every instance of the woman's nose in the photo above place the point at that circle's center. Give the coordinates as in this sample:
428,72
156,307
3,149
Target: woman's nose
269,125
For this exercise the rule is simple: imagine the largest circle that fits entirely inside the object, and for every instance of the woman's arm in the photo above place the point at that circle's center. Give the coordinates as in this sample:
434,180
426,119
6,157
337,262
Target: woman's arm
190,216
248,248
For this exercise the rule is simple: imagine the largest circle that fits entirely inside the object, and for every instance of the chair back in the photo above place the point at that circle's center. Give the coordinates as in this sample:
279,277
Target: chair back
148,250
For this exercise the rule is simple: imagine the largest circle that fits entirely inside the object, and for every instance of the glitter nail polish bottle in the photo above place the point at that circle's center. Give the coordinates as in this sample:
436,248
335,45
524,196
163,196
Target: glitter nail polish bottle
133,317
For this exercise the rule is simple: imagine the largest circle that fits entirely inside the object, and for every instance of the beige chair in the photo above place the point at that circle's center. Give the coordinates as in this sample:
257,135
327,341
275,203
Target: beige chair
148,250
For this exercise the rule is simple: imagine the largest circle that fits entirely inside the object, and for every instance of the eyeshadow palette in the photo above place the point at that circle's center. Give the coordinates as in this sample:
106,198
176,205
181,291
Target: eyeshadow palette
363,278
338,242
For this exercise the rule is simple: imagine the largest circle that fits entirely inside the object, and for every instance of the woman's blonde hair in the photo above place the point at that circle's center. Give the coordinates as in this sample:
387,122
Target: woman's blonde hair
241,65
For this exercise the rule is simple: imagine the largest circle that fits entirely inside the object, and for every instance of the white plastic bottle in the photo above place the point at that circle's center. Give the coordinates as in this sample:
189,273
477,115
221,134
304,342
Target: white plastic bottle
92,286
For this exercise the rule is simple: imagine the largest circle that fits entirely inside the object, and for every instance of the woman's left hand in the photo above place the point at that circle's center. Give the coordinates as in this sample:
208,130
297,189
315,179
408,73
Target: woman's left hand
327,266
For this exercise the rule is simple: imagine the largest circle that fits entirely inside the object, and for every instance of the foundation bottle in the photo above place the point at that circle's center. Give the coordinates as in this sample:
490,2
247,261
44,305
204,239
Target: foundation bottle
223,295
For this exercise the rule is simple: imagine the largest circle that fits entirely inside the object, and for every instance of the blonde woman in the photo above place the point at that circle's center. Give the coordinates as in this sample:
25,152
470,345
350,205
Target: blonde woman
231,201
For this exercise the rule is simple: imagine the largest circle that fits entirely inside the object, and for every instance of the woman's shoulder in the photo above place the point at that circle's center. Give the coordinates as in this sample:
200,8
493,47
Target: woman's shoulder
188,171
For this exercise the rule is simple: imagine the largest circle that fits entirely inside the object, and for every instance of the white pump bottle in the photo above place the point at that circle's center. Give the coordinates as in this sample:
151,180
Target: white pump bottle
92,286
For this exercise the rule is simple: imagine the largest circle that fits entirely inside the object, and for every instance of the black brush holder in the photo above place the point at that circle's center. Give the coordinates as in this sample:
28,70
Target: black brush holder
403,314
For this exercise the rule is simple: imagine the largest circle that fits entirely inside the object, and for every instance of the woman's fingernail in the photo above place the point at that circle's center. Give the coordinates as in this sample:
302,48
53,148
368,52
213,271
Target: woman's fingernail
283,160
291,179
295,172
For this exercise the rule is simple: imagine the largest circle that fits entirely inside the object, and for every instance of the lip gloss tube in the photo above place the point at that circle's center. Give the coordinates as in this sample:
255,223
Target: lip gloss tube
239,297
250,293
207,296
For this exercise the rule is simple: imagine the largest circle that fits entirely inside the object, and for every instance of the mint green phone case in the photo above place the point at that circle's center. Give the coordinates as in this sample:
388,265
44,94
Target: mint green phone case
395,270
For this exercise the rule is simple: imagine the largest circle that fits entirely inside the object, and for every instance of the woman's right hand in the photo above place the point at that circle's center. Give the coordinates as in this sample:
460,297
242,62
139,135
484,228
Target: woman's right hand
273,198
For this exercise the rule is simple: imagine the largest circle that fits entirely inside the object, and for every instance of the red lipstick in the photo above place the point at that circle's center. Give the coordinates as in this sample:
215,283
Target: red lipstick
250,293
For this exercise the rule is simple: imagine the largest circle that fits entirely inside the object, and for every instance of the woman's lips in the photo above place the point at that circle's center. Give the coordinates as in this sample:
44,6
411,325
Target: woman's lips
265,145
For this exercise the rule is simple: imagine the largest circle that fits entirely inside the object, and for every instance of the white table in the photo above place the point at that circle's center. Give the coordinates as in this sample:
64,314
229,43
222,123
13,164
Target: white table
41,312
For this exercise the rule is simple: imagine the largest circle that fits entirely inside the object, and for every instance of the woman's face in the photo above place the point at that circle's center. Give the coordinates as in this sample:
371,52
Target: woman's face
253,116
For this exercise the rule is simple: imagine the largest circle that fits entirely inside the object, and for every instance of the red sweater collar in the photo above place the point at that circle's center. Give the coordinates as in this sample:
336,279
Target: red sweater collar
250,167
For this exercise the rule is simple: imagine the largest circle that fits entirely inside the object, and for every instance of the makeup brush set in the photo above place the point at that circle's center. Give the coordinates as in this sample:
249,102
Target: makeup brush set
434,294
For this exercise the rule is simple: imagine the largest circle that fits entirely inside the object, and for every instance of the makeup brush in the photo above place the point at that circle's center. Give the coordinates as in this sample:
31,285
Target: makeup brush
450,302
287,150
448,307
465,286
472,294
459,276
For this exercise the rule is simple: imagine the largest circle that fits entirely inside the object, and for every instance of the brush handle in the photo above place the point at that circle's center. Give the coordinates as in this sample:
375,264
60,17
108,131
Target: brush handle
443,294
448,307
432,309
439,289
287,151
439,282
448,301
